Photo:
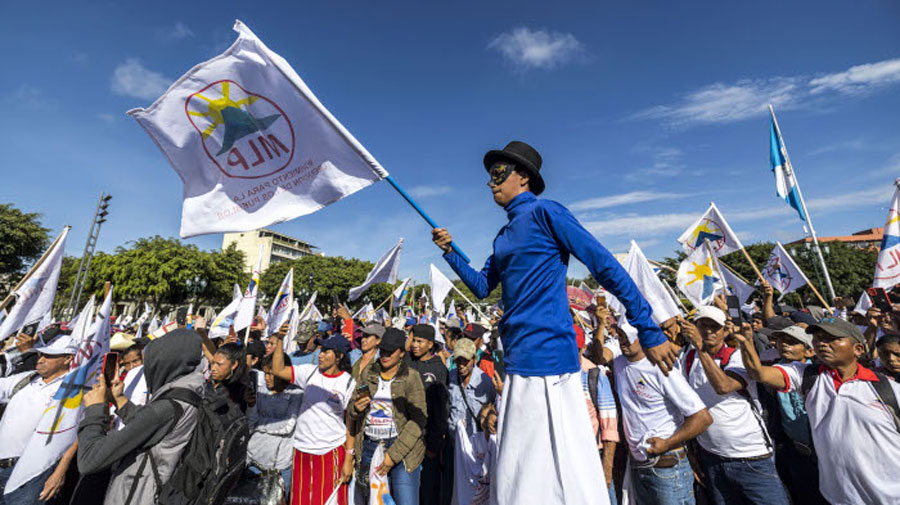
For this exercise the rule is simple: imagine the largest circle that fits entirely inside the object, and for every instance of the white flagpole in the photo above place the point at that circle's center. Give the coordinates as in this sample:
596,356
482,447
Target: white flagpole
469,301
812,231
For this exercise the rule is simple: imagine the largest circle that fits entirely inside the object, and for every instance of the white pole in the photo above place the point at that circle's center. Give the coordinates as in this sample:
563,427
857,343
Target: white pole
470,302
812,231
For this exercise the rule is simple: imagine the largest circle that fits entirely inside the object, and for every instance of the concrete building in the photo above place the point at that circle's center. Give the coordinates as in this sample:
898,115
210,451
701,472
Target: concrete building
275,247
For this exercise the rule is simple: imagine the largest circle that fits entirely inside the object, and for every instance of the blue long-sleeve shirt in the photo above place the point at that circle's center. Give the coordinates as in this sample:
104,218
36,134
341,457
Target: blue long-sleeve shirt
530,260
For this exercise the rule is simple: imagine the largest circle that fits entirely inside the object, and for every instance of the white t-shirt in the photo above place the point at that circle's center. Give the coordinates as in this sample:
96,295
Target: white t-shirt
320,425
856,441
736,432
380,423
653,404
23,411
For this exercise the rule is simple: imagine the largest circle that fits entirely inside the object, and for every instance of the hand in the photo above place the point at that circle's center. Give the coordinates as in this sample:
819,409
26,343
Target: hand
283,331
117,389
53,485
97,394
347,469
873,317
601,312
721,303
768,290
386,466
232,335
343,313
498,382
25,342
670,328
745,335
259,323
362,403
441,237
692,334
663,356
657,446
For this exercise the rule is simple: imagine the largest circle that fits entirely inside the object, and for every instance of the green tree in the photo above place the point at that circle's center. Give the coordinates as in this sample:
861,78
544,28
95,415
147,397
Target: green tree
22,241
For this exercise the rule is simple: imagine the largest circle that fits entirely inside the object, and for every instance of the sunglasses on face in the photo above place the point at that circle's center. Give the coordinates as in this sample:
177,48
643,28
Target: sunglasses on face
500,171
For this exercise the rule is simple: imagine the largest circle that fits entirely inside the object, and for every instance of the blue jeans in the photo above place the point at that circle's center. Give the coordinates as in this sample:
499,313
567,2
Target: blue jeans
404,485
28,493
664,486
742,481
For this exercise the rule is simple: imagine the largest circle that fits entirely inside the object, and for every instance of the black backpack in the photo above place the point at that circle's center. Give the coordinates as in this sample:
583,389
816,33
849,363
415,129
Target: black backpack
215,456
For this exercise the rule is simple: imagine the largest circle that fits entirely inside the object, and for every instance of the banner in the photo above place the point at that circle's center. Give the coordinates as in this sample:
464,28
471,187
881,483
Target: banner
712,226
887,268
251,142
281,305
782,273
697,278
637,266
440,287
34,298
384,271
244,316
58,426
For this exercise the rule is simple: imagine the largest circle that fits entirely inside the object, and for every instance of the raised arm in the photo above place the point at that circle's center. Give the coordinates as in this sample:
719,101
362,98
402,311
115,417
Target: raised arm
278,368
721,381
755,369
481,283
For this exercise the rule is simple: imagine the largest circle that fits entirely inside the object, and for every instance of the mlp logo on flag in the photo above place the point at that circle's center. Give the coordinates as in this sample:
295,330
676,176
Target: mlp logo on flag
713,227
775,270
245,134
781,271
887,269
697,277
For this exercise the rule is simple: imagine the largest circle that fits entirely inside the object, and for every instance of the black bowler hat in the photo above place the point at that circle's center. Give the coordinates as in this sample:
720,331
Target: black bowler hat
525,157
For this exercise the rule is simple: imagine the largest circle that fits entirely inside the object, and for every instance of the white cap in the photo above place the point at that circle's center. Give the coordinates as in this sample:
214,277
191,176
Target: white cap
797,333
710,312
63,344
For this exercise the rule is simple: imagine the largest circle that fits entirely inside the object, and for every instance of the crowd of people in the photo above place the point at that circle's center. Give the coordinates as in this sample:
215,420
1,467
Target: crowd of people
534,404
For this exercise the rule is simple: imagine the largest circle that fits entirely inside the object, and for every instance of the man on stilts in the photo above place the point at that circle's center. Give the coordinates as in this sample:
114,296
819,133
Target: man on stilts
547,451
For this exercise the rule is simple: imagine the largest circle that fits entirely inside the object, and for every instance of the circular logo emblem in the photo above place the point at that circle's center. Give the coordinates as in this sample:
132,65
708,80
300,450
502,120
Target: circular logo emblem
245,134
707,229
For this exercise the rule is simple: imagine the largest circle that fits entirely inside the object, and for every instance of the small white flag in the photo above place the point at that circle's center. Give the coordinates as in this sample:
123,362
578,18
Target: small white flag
782,273
290,344
35,296
863,304
637,266
282,304
736,286
237,292
400,292
887,268
251,142
697,277
440,287
712,226
244,317
384,271
224,320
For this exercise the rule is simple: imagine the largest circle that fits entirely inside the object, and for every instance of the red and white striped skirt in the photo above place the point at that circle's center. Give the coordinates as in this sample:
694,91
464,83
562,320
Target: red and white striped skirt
315,477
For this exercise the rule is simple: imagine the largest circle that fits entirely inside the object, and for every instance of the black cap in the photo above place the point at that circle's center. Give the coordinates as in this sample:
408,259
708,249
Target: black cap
782,308
425,331
779,323
392,340
800,316
839,328
336,343
474,331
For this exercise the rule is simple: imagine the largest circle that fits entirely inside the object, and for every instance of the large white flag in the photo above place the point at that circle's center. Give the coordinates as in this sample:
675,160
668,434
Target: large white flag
251,143
782,273
697,277
247,307
290,345
400,292
384,271
282,304
887,269
440,287
712,226
736,286
637,266
35,296
225,319
58,426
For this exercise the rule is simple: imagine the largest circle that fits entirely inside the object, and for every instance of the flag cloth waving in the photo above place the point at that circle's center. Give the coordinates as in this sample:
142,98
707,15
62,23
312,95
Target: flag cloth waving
785,183
887,269
251,142
697,277
383,271
244,316
781,271
440,287
57,428
649,285
712,226
282,304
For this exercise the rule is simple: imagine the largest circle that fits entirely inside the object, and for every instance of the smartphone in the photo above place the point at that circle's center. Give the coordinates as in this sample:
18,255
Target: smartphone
601,301
181,316
734,309
363,390
30,329
880,299
110,365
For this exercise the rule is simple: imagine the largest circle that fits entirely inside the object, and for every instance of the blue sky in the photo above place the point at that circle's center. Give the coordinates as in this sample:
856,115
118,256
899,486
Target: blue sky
644,112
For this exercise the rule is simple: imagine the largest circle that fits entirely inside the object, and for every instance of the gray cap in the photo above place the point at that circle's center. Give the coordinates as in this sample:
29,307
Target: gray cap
373,328
837,327
796,332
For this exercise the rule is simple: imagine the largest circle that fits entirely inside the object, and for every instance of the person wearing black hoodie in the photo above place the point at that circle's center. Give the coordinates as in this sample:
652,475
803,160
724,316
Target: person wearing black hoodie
421,358
170,361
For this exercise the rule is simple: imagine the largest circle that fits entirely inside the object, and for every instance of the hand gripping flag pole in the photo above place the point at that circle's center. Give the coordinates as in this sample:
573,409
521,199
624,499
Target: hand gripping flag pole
422,213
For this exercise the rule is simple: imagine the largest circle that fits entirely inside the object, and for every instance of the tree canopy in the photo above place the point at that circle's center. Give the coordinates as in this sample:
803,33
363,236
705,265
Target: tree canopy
22,241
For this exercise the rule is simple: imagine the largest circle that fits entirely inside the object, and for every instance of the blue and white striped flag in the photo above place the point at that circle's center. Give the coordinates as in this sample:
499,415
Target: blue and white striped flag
785,182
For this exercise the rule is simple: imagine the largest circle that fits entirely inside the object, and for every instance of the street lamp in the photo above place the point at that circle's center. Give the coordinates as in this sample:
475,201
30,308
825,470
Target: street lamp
196,286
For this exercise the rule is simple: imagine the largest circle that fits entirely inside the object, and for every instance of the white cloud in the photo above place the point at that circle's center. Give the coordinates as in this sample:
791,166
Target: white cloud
133,79
106,118
640,226
605,202
858,79
428,191
536,49
178,32
31,98
729,102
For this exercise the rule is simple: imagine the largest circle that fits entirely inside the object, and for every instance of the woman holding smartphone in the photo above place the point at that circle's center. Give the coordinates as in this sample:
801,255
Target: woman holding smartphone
322,465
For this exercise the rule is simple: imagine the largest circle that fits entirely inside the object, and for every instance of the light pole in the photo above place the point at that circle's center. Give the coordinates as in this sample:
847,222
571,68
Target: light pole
196,286
85,265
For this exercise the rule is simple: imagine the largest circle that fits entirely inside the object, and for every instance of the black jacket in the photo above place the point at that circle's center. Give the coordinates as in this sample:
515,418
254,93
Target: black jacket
434,375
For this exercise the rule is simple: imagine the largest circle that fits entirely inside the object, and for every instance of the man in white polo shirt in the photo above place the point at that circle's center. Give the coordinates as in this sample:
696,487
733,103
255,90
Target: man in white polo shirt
660,414
735,452
851,413
27,395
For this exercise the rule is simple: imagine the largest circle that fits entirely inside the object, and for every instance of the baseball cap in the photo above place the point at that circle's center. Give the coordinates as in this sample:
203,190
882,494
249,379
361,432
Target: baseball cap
373,328
64,344
839,328
454,322
391,340
464,348
337,343
425,331
710,312
779,323
781,308
473,331
797,333
799,316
